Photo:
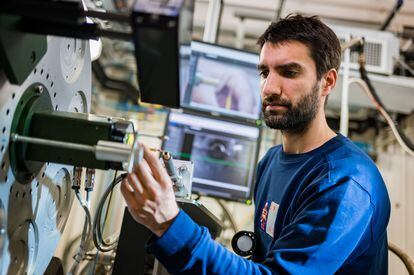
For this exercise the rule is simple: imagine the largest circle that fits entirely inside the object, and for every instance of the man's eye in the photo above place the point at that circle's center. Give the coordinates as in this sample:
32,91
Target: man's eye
290,74
263,74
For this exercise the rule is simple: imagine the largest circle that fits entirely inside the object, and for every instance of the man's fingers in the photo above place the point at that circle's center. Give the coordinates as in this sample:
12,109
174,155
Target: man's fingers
136,201
155,165
128,193
135,183
144,177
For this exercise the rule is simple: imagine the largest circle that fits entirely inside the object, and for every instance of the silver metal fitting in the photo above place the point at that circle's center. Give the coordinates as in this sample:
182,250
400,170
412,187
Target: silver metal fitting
89,179
77,177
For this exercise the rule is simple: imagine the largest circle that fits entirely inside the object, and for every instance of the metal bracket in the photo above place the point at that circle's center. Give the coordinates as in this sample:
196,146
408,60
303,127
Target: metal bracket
185,169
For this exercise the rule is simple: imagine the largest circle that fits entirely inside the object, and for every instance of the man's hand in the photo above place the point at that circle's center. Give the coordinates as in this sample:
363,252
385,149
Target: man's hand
149,194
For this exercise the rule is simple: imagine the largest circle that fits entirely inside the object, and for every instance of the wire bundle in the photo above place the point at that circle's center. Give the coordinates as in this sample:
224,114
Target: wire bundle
86,232
369,89
97,233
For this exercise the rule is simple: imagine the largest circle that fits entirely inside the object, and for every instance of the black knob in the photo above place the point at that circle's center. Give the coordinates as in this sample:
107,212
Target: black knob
244,243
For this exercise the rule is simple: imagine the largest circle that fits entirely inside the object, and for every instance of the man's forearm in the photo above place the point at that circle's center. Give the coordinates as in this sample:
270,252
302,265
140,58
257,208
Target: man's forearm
188,248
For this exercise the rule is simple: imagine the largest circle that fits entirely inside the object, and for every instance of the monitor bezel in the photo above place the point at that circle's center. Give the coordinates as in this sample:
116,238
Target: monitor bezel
249,197
233,117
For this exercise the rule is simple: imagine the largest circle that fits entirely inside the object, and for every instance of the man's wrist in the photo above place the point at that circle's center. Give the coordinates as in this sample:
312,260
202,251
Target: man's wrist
176,242
162,228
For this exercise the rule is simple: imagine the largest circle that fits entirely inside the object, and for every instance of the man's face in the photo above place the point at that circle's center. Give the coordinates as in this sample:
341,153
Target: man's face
290,90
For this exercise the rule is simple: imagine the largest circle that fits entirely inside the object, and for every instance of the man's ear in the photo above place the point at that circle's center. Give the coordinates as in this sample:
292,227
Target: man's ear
329,81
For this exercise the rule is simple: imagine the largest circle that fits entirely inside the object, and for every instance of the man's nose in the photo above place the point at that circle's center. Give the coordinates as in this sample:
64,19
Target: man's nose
271,85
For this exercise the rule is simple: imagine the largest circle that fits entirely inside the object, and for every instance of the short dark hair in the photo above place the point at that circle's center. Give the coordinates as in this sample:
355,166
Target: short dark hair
322,42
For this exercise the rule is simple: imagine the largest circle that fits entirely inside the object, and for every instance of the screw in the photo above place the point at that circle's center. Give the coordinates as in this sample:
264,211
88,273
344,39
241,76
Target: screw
39,89
182,169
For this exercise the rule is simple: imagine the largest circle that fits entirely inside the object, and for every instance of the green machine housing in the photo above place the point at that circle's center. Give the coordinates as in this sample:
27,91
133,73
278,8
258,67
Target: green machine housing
35,117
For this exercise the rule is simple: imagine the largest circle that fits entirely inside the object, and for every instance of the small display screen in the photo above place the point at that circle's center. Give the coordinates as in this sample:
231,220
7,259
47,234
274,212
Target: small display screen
224,153
222,80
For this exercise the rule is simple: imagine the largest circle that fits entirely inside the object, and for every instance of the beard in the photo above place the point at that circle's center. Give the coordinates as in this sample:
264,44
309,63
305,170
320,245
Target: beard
296,117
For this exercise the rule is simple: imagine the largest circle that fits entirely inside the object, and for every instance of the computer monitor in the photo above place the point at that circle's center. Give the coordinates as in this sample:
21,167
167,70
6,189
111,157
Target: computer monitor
223,81
224,153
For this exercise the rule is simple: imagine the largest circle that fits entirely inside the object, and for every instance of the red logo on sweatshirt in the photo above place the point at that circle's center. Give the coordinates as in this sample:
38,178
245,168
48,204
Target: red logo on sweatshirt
263,217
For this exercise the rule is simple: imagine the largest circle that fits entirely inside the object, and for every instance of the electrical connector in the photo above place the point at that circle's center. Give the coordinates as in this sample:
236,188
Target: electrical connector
89,179
77,178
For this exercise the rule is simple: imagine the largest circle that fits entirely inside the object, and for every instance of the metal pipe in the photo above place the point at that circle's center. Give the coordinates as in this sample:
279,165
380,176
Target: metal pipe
346,49
279,10
118,17
52,143
169,164
104,150
215,9
344,119
404,257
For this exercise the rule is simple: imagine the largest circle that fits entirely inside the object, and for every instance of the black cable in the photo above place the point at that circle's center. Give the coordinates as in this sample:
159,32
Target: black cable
124,88
84,237
100,244
107,209
106,217
365,78
196,196
109,202
392,14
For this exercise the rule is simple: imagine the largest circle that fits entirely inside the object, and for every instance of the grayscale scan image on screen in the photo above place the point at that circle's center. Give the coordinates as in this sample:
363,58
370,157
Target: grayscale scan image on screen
224,153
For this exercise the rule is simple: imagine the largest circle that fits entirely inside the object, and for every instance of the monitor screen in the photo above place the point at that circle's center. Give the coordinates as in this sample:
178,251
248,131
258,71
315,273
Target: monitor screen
223,81
224,153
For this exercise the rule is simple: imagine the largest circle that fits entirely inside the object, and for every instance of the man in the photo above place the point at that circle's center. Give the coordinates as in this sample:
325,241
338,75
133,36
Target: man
321,204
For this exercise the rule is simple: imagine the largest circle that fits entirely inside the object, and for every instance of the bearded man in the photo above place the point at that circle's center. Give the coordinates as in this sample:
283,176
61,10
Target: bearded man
321,206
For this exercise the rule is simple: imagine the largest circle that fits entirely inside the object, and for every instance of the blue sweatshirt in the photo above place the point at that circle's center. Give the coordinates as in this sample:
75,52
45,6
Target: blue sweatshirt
322,212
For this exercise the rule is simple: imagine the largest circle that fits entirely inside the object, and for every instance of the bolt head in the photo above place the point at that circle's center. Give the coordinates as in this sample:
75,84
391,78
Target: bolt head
39,89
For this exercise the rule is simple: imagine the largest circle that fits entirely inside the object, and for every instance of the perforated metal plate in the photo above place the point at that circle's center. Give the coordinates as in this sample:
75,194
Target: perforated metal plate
33,216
